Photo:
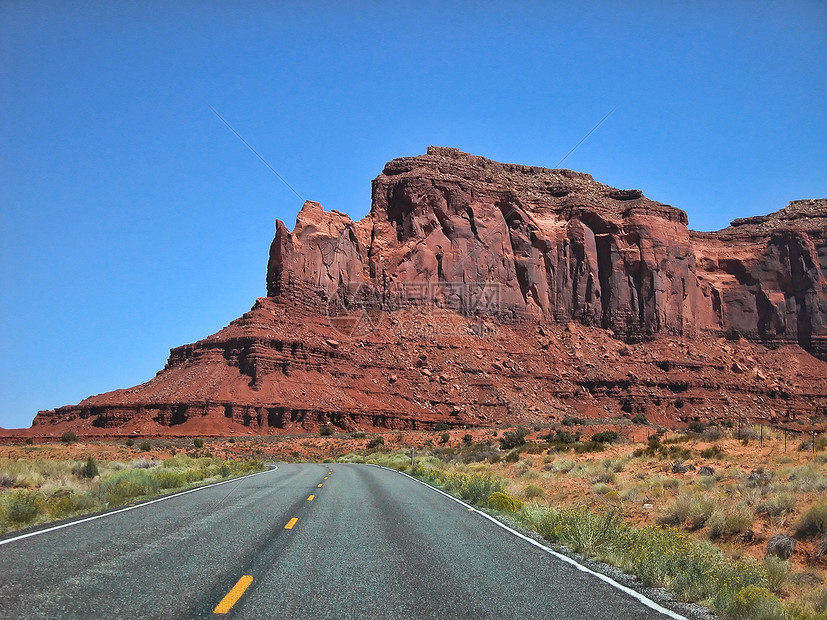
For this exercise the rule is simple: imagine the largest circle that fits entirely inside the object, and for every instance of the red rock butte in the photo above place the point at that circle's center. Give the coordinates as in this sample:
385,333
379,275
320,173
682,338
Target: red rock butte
481,293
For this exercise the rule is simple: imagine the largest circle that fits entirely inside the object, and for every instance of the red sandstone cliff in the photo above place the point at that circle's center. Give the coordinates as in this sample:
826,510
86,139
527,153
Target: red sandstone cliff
482,292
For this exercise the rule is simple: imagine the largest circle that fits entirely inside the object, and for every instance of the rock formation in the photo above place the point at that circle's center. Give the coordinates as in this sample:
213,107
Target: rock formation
481,293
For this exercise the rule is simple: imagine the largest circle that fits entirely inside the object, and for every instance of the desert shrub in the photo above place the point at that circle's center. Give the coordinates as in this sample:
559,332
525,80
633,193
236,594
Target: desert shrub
145,446
690,509
442,426
711,434
601,474
474,488
126,485
588,446
753,603
170,479
512,457
143,463
357,435
513,439
502,501
777,505
532,491
697,427
818,601
128,443
722,523
676,439
29,441
712,452
605,437
814,520
22,506
198,442
193,475
444,438
562,466
563,437
807,479
89,469
659,556
467,438
64,502
68,437
778,571
376,442
571,421
640,419
601,488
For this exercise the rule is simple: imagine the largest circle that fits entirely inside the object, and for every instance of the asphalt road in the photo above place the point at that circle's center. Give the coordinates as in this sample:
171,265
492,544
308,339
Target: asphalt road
371,543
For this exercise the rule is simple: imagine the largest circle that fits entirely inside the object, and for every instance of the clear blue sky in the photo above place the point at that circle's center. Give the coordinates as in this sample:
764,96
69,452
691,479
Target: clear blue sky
133,220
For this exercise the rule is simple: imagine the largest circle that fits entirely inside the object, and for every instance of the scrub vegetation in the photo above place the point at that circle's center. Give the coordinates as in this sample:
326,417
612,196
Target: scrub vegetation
691,513
38,490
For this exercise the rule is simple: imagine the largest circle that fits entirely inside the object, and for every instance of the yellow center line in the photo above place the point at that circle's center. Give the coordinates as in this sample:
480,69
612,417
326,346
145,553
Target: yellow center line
291,523
320,485
233,595
325,477
311,498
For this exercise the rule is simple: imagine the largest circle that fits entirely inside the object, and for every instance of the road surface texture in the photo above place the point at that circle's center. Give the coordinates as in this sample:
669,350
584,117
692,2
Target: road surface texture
302,541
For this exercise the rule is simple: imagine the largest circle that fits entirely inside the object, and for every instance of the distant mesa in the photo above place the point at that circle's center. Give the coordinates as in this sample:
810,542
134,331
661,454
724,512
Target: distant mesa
481,293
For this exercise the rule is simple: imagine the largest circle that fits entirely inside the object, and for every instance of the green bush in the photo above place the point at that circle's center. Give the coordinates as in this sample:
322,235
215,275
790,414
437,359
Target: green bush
640,419
588,446
442,426
170,479
753,603
89,469
814,520
126,485
197,442
444,438
504,502
777,505
326,430
128,443
605,437
68,437
514,439
512,457
357,435
532,491
712,452
23,506
467,438
64,503
145,446
697,427
721,524
778,571
376,442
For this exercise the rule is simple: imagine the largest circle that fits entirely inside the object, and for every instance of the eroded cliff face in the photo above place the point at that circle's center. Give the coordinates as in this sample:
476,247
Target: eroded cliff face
481,237
476,292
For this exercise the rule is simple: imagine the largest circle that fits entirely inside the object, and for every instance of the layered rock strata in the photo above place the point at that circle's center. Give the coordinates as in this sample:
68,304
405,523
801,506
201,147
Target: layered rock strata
484,293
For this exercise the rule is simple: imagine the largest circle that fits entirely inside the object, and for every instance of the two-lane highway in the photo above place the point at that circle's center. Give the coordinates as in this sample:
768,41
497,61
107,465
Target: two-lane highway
302,541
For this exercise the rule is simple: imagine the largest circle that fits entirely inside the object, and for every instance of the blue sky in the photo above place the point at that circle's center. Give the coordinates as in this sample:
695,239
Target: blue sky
133,220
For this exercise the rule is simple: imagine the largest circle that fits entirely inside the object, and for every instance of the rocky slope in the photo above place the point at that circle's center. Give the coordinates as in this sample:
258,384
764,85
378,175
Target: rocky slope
480,293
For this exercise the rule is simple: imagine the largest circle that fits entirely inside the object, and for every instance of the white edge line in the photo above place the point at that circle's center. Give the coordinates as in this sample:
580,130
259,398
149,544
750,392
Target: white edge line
141,505
633,593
